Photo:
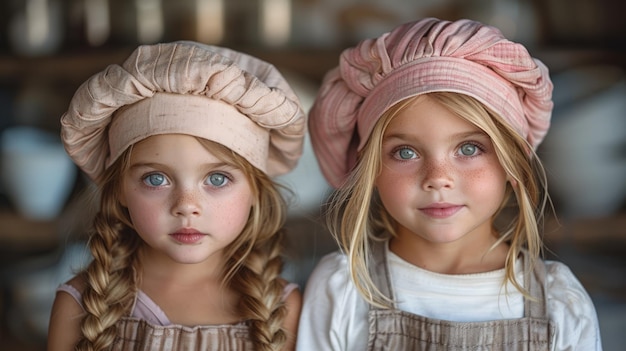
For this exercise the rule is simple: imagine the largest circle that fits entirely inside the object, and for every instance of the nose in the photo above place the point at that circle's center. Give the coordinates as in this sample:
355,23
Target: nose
186,203
437,175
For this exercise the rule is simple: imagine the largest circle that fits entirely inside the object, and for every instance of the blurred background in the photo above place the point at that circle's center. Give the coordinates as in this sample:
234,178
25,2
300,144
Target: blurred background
49,47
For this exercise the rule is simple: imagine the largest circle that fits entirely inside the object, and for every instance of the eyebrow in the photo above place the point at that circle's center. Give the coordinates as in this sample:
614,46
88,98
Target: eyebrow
462,135
161,165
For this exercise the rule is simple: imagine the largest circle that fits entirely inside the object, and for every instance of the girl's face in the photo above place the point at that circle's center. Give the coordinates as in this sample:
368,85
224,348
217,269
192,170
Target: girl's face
440,179
184,202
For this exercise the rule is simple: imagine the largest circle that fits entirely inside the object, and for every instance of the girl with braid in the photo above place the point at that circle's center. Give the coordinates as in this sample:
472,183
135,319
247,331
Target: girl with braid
183,140
428,133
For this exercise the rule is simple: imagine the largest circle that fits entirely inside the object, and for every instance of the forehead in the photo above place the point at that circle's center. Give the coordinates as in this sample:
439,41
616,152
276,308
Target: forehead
174,145
428,117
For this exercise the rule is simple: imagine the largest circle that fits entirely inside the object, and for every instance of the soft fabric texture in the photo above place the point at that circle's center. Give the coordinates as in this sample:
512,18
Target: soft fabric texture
184,87
392,329
421,57
334,315
149,329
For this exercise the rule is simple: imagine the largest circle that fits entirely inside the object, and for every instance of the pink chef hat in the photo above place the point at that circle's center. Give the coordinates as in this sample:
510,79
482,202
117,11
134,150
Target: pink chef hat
421,57
185,87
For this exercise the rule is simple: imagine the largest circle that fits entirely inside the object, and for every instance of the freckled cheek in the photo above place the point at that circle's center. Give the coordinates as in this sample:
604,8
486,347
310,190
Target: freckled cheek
394,187
144,215
235,221
234,212
483,180
143,205
398,169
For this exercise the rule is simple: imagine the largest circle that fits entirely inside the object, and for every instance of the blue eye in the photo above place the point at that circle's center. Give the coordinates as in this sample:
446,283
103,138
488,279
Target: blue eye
218,179
155,179
468,149
405,154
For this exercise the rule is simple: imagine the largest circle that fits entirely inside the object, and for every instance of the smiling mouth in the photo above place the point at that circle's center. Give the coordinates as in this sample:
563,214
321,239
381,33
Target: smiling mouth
441,211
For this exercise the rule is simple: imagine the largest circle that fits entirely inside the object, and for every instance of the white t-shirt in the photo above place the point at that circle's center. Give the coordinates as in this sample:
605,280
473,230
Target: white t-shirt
334,315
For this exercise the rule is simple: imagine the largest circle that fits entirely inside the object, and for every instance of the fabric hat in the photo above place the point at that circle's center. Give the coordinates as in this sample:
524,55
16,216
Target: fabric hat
421,57
189,88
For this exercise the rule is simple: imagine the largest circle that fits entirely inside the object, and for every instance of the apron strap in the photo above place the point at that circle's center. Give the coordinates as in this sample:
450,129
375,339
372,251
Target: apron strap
535,282
534,279
379,269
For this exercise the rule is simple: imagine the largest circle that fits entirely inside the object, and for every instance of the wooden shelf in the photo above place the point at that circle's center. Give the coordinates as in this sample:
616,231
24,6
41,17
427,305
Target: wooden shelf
76,67
72,66
21,234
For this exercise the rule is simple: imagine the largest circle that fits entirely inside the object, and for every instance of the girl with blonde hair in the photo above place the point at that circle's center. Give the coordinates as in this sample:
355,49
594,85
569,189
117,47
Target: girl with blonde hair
428,133
183,140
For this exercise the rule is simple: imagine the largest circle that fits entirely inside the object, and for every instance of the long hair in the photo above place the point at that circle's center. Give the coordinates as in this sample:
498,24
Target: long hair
356,217
252,269
254,259
111,278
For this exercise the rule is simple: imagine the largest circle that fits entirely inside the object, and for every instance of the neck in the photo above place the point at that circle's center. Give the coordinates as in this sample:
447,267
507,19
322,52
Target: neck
189,294
160,268
477,255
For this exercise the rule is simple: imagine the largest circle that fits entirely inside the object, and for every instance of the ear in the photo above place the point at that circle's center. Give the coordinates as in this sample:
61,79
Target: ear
122,199
512,181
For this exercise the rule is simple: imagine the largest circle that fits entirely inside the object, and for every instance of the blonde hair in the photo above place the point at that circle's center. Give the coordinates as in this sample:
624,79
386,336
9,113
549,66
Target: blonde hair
356,217
253,267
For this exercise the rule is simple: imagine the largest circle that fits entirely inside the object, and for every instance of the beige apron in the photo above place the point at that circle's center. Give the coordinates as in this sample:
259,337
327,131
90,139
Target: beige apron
138,335
398,330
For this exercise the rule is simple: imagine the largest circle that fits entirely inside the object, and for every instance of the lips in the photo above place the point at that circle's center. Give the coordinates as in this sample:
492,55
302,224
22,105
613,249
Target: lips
441,210
187,236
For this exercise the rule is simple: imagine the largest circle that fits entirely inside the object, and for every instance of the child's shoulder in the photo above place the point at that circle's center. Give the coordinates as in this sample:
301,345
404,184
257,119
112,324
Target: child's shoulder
329,289
564,289
333,263
74,287
78,283
571,309
331,273
559,276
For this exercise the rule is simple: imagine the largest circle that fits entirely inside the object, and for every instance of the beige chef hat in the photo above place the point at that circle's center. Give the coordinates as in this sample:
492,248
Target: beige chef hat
189,88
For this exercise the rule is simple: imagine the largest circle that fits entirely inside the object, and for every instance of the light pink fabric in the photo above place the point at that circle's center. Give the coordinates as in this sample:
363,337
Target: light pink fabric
244,93
430,55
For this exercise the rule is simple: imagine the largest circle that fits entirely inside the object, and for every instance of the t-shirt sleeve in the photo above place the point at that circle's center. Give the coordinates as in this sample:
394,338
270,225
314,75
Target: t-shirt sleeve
334,316
572,311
